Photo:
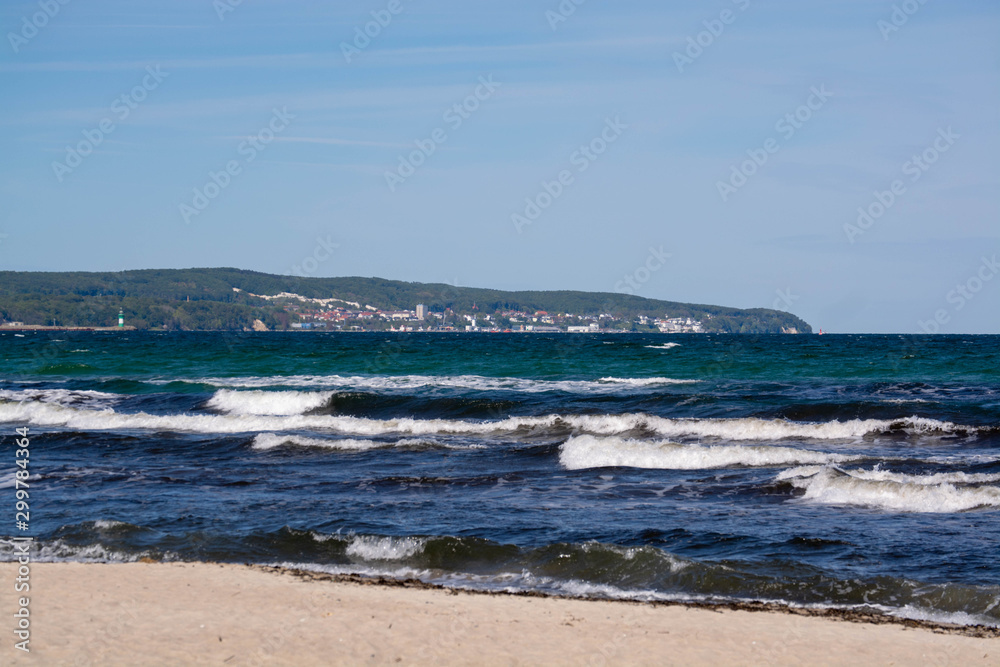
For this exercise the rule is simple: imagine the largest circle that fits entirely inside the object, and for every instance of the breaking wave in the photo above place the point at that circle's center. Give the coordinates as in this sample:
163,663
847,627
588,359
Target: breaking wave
67,397
371,547
54,551
642,382
877,474
895,492
268,402
49,414
587,451
265,441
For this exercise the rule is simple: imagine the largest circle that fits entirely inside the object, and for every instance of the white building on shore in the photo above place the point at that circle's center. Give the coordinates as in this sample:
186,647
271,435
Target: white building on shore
679,325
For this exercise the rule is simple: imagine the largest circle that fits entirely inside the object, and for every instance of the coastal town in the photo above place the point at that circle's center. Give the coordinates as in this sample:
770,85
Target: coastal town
339,315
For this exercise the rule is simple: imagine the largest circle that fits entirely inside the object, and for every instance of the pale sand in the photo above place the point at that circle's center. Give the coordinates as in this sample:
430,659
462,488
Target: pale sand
199,613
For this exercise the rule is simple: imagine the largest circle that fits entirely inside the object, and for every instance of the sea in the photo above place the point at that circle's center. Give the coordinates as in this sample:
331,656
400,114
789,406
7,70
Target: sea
856,472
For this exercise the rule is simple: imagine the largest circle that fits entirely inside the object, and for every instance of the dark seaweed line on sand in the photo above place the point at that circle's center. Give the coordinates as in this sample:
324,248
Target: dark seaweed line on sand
849,615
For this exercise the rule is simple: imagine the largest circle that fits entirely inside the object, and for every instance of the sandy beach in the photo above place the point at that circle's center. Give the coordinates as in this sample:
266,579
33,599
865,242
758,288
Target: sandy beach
212,614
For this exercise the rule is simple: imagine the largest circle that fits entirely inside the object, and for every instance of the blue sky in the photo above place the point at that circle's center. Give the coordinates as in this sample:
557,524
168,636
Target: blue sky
643,138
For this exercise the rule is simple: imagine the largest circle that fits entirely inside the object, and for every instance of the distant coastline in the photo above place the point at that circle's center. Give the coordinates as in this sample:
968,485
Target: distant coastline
226,299
42,327
343,331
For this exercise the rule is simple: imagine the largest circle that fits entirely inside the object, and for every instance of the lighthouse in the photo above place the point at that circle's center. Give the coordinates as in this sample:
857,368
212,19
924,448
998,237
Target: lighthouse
121,319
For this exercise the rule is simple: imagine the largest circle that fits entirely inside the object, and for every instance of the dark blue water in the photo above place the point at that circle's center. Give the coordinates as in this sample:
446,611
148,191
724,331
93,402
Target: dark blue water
846,471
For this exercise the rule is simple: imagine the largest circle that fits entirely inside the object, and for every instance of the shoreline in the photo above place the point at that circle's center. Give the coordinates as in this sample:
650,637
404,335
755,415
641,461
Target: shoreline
42,327
481,330
833,613
229,614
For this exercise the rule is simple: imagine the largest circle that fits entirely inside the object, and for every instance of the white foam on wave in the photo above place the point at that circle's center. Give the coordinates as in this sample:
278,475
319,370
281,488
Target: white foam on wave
587,451
265,441
47,414
268,402
388,570
510,582
55,551
577,588
69,397
752,428
369,547
969,459
952,617
41,414
644,382
410,382
665,346
877,474
894,492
